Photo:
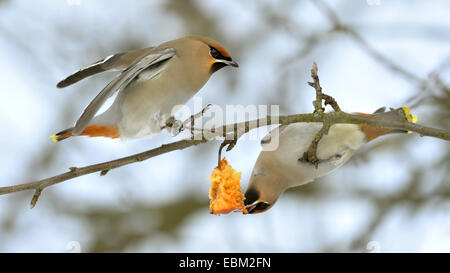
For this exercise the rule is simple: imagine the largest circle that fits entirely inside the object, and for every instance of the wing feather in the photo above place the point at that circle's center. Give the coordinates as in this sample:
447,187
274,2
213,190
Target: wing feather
151,63
116,62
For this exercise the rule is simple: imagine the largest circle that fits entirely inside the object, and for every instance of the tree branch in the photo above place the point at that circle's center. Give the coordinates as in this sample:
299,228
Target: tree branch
328,120
334,118
310,154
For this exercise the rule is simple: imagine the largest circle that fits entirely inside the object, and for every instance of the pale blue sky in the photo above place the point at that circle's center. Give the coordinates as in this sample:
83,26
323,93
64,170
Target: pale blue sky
42,41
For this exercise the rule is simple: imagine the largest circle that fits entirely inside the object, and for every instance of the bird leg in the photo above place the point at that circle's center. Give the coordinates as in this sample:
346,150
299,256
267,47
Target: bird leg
177,126
173,126
192,119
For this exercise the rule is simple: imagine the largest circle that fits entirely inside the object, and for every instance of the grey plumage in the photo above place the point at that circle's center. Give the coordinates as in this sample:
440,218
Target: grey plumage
147,63
116,62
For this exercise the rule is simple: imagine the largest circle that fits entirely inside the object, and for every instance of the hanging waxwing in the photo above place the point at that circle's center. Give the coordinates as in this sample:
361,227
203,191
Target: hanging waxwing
277,170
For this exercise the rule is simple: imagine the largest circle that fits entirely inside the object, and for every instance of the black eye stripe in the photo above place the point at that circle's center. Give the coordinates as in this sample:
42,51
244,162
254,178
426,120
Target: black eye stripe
251,196
217,55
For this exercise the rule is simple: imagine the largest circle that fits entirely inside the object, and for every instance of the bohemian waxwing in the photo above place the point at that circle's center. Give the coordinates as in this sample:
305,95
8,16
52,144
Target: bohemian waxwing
280,169
153,80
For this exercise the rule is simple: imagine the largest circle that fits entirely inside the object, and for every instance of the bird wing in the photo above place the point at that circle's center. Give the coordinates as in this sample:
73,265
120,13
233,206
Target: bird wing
115,62
152,63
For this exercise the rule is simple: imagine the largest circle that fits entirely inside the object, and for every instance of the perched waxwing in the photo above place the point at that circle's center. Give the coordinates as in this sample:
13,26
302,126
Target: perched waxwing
152,81
279,169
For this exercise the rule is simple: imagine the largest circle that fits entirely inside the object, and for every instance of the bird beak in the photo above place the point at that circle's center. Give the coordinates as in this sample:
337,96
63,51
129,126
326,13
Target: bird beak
251,207
231,63
255,207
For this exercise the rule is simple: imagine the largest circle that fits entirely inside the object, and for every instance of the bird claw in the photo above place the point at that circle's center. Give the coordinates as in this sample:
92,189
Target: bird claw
176,128
173,126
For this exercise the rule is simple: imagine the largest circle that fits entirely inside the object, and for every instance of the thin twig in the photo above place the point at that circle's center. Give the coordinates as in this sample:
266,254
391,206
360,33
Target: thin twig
231,136
333,117
329,100
311,154
35,198
317,103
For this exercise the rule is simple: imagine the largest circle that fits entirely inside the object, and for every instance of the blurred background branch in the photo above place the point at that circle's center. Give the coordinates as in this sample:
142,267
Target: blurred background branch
394,192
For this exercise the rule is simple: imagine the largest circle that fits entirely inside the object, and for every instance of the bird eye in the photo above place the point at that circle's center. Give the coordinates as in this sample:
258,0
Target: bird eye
215,53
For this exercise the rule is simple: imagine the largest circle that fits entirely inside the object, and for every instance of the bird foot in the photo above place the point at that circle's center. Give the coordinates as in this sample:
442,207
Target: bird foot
173,126
176,128
310,157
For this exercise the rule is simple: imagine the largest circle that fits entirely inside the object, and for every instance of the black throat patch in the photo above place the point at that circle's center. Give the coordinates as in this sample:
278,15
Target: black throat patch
251,195
216,66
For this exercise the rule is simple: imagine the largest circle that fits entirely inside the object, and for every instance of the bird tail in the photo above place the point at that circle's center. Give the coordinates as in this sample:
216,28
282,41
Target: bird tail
91,131
403,113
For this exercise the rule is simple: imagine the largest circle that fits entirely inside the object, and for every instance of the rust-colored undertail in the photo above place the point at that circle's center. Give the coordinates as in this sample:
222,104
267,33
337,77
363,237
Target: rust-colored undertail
373,132
110,131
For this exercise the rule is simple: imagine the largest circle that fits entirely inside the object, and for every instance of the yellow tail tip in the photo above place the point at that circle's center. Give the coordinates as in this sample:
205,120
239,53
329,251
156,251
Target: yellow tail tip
54,138
410,117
